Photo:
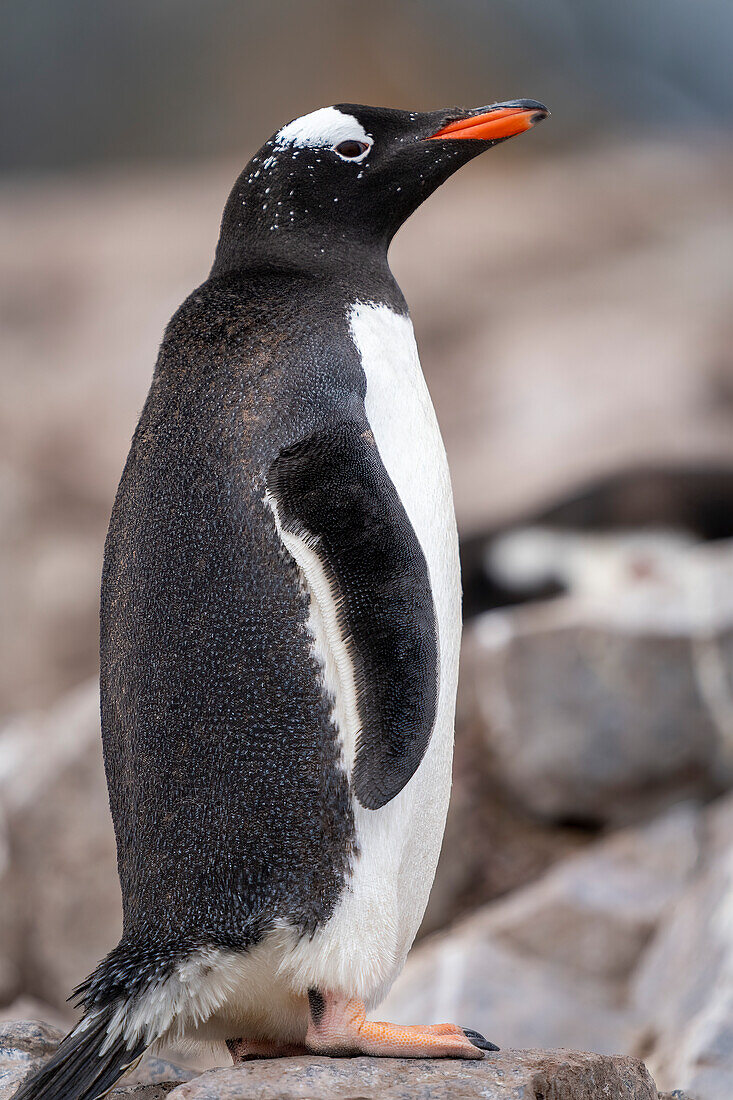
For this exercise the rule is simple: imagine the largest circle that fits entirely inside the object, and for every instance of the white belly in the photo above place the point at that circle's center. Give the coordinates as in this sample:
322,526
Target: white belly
363,946
407,435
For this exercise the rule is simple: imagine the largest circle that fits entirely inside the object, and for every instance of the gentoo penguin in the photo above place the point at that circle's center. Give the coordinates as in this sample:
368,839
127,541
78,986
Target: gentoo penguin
280,624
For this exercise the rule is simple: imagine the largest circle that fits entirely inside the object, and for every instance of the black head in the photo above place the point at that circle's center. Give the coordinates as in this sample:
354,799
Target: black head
347,177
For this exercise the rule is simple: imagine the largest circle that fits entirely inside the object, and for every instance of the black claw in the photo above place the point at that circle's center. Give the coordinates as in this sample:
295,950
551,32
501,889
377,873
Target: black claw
478,1040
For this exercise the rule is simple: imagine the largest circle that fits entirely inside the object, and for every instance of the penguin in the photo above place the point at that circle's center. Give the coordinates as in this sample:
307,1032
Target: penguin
280,625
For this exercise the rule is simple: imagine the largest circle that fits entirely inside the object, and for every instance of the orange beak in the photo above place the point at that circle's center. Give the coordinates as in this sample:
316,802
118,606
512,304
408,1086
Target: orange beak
503,120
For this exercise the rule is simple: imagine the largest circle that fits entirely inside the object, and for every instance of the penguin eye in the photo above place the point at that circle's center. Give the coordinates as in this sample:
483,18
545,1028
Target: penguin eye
351,149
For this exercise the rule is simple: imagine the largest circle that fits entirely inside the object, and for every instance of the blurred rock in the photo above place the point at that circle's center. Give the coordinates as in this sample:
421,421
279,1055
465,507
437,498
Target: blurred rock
594,914
684,988
62,874
509,1075
158,1071
11,926
24,1046
492,844
616,700
550,964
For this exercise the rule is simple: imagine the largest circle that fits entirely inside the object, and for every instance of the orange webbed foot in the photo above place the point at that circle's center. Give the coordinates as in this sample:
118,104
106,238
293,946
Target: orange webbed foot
338,1026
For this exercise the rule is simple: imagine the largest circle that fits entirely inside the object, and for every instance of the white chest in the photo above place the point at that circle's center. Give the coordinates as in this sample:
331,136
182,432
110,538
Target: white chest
408,439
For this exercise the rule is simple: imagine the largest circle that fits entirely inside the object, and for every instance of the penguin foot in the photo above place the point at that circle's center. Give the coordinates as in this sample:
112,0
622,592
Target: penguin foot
338,1026
244,1050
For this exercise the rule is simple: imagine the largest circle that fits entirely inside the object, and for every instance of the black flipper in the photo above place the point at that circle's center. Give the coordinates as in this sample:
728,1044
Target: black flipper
333,491
79,1070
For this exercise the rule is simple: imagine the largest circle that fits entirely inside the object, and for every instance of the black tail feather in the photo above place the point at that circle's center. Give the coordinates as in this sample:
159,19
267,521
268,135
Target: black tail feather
79,1070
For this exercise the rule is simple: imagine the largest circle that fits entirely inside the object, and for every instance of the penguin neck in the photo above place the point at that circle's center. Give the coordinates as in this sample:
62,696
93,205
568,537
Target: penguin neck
318,251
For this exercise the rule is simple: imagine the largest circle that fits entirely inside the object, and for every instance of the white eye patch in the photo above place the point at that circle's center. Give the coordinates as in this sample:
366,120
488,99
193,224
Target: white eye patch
326,127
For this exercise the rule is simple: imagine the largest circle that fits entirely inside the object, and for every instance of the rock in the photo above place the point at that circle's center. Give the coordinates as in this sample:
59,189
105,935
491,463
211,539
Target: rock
62,876
153,1070
684,988
24,1046
549,964
509,1075
614,701
28,1040
595,914
627,945
144,1092
11,923
492,845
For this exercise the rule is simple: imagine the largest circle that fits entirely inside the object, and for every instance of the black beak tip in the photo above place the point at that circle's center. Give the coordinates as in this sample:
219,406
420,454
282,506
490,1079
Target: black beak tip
539,111
525,104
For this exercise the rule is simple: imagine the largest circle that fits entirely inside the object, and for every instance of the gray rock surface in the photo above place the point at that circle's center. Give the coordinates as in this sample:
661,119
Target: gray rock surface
492,844
550,963
61,881
24,1046
153,1070
509,1075
144,1092
684,987
616,700
11,927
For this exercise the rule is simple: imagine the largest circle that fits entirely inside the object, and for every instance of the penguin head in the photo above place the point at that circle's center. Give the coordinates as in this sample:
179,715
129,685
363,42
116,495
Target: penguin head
348,176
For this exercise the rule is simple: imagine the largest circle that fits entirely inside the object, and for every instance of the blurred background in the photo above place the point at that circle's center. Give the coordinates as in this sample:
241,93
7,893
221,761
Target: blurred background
572,294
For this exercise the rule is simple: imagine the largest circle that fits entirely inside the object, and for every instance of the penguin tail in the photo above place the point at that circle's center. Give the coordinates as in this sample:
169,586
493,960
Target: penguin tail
87,1063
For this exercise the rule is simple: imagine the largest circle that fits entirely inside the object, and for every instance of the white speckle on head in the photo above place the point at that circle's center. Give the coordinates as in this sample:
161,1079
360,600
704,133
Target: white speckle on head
325,127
